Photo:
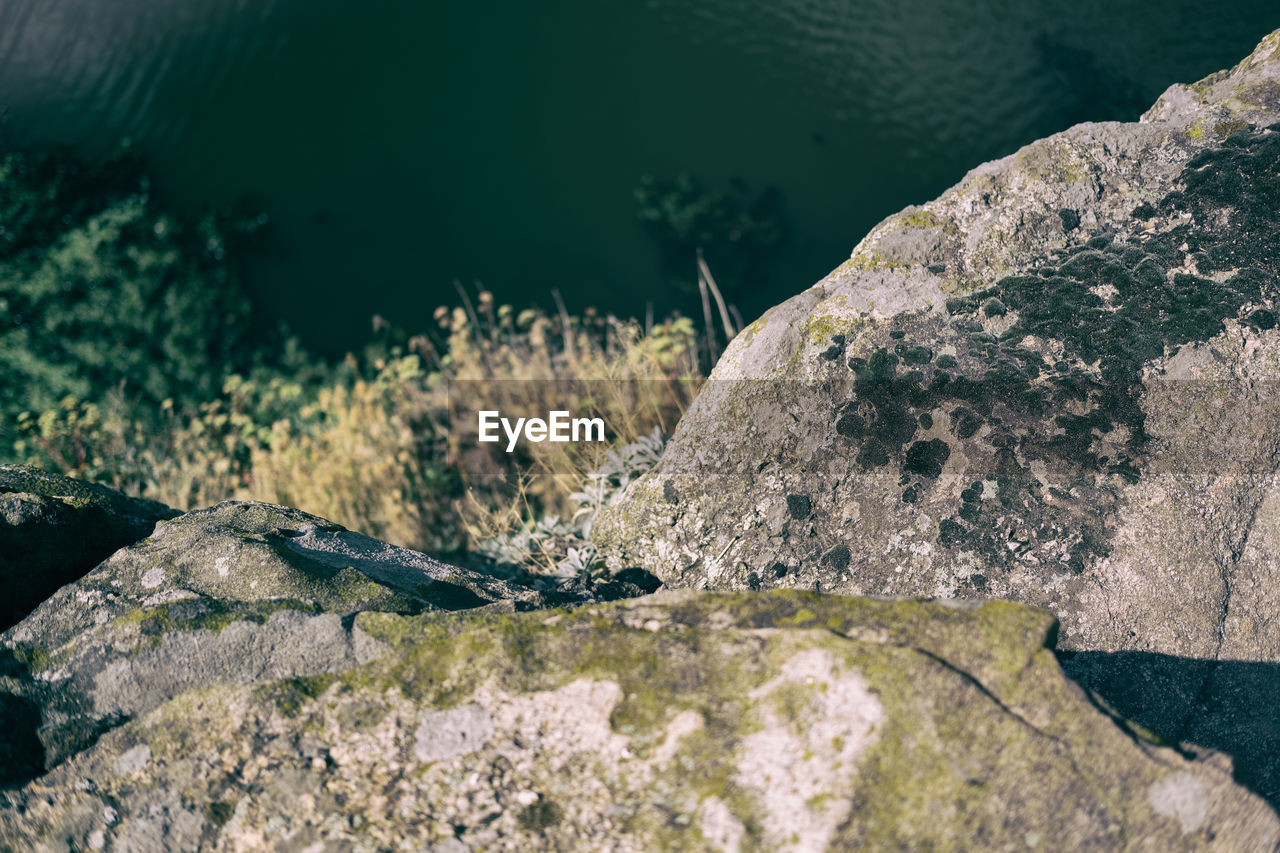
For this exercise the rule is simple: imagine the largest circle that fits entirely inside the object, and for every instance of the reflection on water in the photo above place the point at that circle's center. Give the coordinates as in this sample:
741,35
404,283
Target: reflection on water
399,145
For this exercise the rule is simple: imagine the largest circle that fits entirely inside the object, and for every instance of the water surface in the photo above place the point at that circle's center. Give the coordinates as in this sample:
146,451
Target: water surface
400,145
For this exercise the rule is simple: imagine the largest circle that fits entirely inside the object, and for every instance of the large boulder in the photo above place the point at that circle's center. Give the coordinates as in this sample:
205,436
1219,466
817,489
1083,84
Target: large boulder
235,594
1055,384
686,721
54,529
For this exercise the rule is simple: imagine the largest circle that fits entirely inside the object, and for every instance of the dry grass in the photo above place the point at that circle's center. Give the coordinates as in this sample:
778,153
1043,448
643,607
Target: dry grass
384,445
529,363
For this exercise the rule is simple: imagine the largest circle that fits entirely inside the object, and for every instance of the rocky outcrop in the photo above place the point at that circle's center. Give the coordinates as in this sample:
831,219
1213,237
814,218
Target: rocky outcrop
236,594
54,529
1054,384
782,721
250,676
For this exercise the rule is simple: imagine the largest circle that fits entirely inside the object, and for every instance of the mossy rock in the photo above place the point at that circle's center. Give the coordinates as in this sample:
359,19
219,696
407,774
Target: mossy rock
54,529
681,721
1018,408
238,593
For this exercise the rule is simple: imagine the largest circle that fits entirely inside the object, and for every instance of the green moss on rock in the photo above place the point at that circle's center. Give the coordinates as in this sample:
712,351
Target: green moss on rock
685,721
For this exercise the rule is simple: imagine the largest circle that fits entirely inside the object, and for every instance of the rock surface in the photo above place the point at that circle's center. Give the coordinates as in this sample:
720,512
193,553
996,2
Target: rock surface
996,398
1056,384
54,529
682,721
239,593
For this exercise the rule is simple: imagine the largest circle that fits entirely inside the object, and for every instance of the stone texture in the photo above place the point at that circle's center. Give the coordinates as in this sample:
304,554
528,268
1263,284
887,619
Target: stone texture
1056,383
238,593
682,721
984,402
54,529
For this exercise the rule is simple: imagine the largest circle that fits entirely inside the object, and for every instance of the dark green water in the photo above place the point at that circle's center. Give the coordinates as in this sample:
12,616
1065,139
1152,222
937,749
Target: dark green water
399,146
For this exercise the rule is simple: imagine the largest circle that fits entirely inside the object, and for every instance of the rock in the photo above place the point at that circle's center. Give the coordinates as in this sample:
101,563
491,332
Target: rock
984,403
54,529
1225,705
779,721
238,593
1054,384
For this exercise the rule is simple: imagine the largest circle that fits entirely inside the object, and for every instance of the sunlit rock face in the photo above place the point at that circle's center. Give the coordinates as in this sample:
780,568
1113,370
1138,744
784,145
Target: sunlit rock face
1055,384
239,593
249,676
681,721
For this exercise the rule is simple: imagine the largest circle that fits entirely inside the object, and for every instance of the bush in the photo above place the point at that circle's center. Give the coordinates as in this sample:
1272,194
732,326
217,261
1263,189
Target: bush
100,290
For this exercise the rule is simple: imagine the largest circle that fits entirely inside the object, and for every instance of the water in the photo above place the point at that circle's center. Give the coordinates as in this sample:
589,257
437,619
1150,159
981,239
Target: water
400,145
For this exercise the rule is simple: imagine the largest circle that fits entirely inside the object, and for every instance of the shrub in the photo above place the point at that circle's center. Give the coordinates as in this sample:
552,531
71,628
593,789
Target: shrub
561,546
128,357
101,290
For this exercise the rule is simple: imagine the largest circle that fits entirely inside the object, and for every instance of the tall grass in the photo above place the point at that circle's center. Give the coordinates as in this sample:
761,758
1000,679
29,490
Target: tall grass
380,443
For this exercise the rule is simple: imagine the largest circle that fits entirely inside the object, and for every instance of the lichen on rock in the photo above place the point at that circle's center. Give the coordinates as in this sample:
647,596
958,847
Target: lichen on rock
1056,383
238,593
758,721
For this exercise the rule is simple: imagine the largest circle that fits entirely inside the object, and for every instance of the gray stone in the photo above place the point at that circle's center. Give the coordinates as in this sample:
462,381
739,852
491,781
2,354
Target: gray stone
448,734
240,593
54,529
681,721
1056,383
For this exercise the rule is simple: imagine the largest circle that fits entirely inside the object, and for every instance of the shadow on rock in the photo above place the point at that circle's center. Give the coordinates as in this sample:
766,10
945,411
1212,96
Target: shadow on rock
1230,706
53,529
21,752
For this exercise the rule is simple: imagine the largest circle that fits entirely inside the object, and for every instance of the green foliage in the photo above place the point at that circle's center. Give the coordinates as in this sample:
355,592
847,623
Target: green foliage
127,357
99,289
357,444
375,444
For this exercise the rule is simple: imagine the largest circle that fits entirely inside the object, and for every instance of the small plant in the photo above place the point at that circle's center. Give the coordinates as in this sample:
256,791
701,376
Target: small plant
562,548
